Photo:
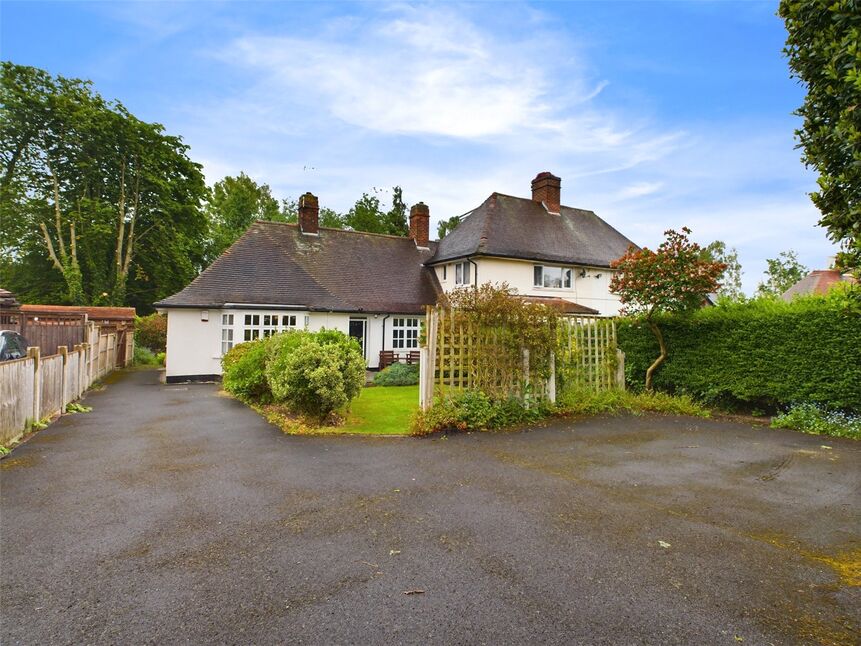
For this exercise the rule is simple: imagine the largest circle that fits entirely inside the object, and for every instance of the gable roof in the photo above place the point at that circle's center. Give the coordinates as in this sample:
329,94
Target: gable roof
273,263
818,281
516,227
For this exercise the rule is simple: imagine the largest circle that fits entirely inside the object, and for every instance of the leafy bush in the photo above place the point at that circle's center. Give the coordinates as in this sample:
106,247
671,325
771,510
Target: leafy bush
818,420
315,373
398,374
151,332
613,402
161,358
473,410
244,371
144,357
762,353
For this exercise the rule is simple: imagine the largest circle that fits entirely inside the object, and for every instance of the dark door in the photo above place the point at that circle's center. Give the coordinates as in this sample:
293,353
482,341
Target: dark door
358,330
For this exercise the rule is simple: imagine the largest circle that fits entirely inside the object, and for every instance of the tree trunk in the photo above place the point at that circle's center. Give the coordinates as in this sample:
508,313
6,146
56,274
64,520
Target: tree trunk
660,337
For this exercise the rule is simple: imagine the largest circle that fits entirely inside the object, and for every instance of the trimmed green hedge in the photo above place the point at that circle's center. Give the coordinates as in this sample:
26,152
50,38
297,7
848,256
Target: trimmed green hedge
762,353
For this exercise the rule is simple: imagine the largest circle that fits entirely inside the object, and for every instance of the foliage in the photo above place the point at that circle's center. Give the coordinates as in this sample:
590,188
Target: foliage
398,374
161,358
730,280
782,273
151,332
819,420
444,227
762,353
143,356
675,278
473,410
509,323
231,206
824,54
244,370
5,450
75,407
368,215
614,402
317,373
382,410
98,207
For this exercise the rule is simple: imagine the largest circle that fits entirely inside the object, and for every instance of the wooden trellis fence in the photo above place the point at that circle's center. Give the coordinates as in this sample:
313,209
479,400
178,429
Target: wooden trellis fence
462,355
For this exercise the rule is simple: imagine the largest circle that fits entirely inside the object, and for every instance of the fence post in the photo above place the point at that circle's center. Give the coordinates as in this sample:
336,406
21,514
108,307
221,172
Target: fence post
620,369
525,392
63,351
551,383
33,353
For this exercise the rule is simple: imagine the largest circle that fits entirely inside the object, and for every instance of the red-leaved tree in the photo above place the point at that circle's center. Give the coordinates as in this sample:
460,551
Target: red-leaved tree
675,278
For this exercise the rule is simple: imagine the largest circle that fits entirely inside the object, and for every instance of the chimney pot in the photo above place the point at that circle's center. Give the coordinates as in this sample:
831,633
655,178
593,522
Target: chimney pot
420,224
309,214
547,188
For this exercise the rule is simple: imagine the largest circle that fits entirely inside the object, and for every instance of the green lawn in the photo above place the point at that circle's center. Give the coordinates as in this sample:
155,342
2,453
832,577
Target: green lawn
382,410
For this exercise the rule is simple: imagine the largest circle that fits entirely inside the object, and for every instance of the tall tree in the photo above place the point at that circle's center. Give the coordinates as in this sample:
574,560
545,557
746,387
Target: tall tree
730,280
782,273
674,278
444,227
232,205
367,214
824,54
92,195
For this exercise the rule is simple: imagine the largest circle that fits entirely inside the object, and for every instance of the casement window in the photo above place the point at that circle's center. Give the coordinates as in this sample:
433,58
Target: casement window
552,277
263,325
405,334
461,273
226,333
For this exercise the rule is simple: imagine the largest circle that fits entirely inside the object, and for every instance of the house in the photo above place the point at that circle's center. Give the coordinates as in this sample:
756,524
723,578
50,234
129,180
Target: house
818,281
374,287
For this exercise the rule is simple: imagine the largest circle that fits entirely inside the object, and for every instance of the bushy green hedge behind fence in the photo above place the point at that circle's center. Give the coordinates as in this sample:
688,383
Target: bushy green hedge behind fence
762,353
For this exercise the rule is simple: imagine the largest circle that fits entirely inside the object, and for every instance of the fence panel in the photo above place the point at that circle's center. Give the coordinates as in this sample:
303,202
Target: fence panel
51,384
16,397
73,377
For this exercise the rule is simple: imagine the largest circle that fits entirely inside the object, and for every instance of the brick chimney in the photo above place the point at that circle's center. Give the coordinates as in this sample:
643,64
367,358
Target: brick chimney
420,224
309,214
547,188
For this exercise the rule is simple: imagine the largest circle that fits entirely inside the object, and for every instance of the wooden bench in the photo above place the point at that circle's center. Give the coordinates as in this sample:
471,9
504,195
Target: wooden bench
388,357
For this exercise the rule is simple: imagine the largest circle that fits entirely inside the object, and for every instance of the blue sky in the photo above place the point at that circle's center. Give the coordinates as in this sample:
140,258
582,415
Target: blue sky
655,115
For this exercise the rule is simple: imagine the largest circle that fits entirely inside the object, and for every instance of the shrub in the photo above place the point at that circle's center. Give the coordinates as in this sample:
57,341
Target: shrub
151,332
144,357
763,353
818,420
244,371
161,358
315,373
613,402
398,374
475,411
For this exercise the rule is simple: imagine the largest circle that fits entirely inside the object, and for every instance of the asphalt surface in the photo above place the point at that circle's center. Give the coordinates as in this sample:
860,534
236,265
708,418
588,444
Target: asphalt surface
171,514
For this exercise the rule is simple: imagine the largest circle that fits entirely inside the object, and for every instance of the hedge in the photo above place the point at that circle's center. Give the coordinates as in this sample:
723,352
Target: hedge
763,353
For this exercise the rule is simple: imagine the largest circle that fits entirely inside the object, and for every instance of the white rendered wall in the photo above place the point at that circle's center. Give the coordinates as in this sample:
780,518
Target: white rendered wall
193,346
593,290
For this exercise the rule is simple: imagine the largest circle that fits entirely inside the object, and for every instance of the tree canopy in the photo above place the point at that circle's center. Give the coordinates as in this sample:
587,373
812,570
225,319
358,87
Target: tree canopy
730,280
677,277
97,206
824,54
782,273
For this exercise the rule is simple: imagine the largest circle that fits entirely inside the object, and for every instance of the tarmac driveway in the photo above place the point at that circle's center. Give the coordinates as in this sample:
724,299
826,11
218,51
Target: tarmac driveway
172,514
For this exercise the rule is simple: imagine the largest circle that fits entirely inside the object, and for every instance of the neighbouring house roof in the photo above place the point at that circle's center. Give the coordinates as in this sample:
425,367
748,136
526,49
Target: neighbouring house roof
818,281
93,313
7,299
562,305
274,263
515,227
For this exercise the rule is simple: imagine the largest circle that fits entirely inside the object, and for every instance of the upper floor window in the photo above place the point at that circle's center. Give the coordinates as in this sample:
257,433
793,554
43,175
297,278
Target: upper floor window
461,273
405,334
552,277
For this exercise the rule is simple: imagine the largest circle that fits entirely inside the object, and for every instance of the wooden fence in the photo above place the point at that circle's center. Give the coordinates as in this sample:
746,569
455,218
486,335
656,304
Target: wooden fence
460,355
38,387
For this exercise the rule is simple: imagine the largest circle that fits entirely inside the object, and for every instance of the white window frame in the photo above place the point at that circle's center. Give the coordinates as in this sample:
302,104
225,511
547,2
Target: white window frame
462,273
226,333
405,333
256,325
541,277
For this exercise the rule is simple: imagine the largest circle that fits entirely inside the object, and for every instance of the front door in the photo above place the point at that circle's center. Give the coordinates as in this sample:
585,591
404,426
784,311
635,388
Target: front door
358,330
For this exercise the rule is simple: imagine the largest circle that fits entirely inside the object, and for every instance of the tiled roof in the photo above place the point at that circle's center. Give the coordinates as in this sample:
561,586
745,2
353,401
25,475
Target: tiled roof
818,281
562,305
343,271
93,313
515,227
